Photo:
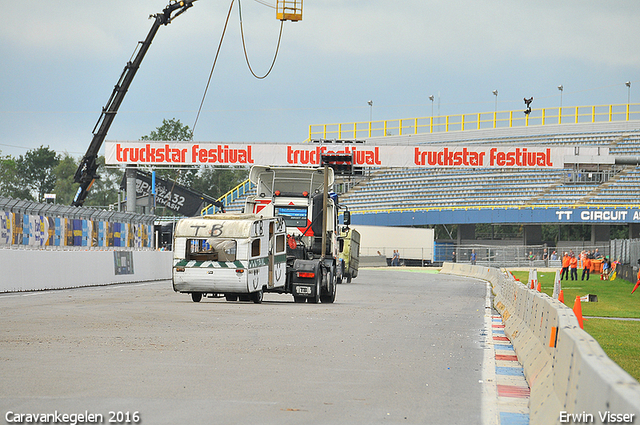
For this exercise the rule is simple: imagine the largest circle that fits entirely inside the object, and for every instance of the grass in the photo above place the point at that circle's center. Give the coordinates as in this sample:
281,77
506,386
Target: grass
617,338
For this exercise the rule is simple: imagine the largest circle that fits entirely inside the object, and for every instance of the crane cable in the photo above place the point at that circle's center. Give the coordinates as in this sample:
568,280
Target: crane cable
215,60
244,47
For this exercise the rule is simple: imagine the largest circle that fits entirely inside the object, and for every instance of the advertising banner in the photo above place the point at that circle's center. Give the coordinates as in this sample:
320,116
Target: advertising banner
171,195
309,154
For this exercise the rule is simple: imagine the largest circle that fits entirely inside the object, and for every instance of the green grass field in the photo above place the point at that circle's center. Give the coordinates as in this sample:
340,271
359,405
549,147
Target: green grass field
618,338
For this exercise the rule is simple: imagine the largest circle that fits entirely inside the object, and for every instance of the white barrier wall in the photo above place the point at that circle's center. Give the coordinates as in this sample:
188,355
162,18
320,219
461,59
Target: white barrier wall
28,270
567,370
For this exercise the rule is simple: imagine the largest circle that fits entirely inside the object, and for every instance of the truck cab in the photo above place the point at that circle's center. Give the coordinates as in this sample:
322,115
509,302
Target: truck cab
295,195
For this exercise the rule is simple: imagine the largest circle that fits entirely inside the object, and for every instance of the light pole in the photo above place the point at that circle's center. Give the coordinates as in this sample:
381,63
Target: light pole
495,93
370,110
561,88
431,99
628,84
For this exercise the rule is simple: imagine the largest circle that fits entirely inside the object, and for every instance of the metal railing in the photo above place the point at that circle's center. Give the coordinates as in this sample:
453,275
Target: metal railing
476,121
235,193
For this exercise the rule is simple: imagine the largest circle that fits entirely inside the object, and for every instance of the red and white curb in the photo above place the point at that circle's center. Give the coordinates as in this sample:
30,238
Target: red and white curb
506,392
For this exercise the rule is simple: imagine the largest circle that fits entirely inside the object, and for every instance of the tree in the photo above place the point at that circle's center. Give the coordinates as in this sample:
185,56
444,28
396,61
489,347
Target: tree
210,181
173,131
35,169
65,187
217,182
9,181
170,130
104,191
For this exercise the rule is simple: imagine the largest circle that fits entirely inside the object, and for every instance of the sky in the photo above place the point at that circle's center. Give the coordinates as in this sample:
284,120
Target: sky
61,60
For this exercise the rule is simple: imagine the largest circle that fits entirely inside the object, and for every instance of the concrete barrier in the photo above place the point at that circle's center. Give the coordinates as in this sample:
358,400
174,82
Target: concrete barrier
29,270
567,370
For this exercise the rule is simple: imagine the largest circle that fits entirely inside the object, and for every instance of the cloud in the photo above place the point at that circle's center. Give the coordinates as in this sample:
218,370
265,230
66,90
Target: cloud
458,31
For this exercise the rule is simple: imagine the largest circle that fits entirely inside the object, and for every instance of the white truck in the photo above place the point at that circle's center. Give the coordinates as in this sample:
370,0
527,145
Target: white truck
276,245
303,198
238,256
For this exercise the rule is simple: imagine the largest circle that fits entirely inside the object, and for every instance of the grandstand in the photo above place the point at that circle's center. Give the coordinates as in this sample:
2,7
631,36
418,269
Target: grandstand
609,180
577,185
417,188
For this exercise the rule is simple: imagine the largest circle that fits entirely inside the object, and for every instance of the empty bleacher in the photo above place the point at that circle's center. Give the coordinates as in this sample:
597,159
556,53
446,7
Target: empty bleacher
449,188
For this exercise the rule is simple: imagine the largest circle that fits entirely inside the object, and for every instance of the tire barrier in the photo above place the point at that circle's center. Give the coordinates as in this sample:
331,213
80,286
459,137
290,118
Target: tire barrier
571,379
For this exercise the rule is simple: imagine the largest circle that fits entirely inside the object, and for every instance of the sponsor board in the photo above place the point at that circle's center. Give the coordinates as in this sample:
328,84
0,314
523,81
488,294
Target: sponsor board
206,153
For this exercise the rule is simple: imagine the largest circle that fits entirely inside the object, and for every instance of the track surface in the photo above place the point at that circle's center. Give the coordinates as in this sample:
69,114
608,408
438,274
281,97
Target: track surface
396,347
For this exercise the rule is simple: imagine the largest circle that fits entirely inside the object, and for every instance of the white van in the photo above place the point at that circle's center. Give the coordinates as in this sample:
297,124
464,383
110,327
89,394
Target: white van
238,256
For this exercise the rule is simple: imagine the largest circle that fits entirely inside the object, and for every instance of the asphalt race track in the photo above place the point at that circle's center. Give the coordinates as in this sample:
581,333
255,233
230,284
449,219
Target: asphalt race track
397,347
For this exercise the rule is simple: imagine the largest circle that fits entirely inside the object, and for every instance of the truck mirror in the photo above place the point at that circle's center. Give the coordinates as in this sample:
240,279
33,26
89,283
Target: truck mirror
347,218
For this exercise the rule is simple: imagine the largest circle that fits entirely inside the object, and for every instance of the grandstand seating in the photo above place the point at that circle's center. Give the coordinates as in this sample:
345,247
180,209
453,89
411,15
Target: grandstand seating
446,188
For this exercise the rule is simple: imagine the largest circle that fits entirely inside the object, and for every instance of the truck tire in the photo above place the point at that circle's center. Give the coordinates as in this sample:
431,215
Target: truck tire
256,297
196,297
316,297
332,284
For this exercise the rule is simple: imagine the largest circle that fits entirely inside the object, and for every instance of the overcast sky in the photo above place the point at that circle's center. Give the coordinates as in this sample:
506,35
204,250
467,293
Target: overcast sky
60,61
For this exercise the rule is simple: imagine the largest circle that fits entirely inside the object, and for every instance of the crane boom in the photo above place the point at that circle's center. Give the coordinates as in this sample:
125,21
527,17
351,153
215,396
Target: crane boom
86,172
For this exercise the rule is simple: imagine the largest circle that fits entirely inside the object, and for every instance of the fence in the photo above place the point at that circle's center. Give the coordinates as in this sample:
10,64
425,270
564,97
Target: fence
627,251
512,255
26,224
476,121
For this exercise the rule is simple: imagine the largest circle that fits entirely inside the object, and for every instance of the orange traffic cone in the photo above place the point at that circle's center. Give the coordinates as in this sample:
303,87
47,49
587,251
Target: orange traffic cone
577,310
539,287
561,296
635,287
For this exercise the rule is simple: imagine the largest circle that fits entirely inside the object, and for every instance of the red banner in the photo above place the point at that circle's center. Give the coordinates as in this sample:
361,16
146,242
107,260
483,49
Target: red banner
307,154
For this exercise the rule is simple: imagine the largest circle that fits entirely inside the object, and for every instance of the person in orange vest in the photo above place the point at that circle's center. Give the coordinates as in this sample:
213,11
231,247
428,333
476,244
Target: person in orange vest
586,266
565,267
638,282
573,263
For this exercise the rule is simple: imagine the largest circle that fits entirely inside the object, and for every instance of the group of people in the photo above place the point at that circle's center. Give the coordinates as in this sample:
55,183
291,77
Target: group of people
570,265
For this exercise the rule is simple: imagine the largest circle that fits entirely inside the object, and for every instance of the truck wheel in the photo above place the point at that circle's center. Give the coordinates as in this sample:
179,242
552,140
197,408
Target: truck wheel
316,298
332,286
256,297
196,296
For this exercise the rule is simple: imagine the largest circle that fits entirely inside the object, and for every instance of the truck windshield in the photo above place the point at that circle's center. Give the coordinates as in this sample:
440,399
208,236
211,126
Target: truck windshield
211,249
293,216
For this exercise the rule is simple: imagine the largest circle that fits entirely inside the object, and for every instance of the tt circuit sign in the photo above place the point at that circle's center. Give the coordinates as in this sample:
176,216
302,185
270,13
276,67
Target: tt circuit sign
608,216
194,153
501,215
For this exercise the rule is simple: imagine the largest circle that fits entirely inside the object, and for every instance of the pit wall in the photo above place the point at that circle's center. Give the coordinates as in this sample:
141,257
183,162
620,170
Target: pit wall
567,370
32,270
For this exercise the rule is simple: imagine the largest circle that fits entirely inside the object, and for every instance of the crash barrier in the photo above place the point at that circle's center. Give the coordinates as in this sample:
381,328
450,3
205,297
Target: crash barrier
48,246
567,370
26,224
32,270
